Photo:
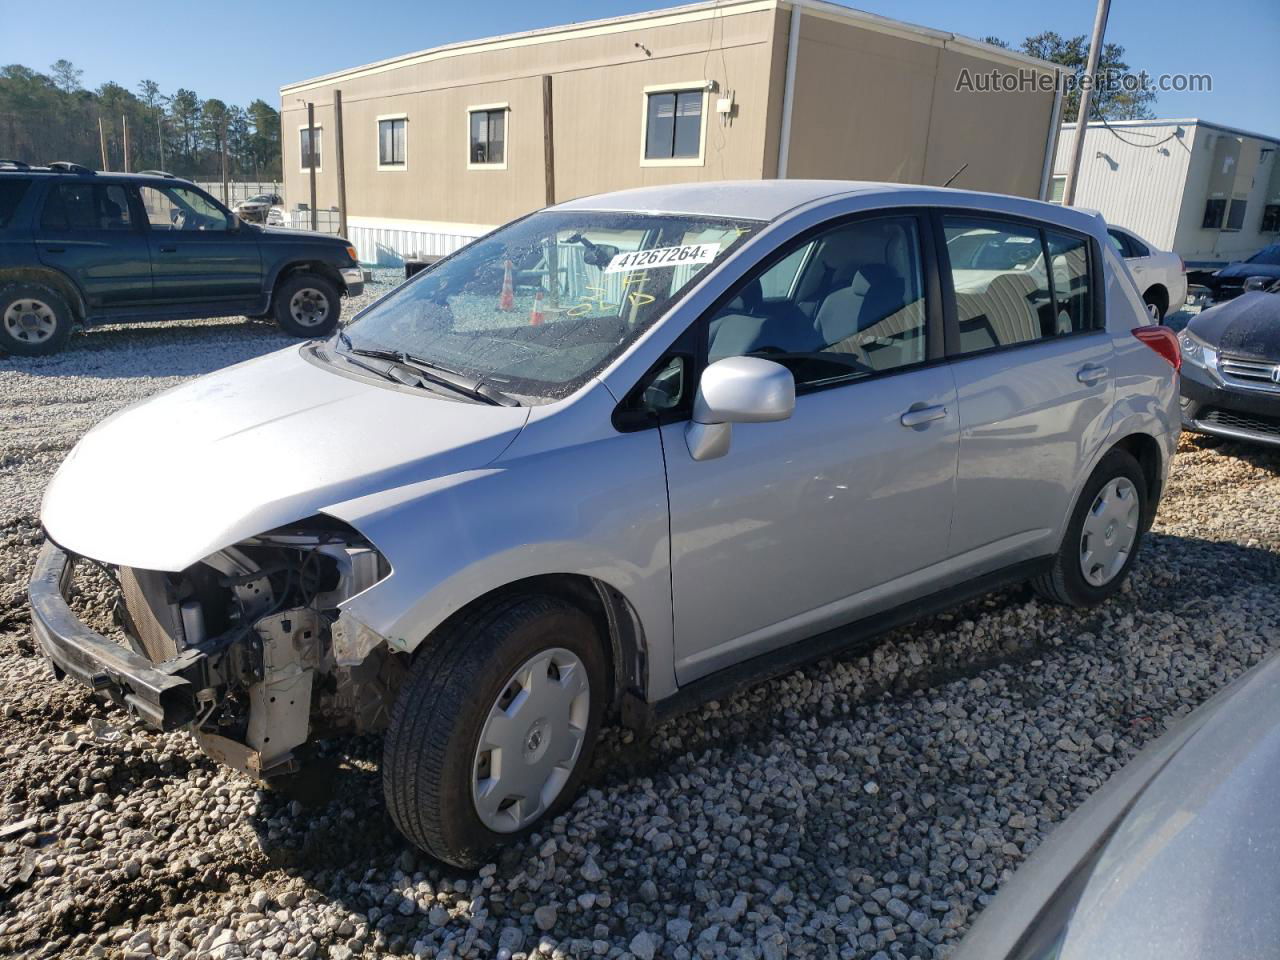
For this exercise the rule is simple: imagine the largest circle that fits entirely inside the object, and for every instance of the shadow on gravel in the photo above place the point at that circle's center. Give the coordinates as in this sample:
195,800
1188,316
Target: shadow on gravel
1255,454
182,349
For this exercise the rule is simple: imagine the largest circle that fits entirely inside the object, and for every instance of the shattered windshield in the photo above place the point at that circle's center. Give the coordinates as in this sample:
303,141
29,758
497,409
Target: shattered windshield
537,308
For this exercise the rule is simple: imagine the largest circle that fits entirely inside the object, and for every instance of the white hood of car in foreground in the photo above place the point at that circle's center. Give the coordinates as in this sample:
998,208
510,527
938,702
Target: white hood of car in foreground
167,482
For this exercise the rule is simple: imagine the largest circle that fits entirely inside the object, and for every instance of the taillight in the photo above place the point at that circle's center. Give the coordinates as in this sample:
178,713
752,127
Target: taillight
1163,341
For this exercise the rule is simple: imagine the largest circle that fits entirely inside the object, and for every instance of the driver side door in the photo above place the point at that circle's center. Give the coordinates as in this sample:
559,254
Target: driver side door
844,509
198,257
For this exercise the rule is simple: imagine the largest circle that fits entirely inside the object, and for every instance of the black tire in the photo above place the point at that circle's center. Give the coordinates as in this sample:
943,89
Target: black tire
1065,582
430,748
291,316
1156,297
25,337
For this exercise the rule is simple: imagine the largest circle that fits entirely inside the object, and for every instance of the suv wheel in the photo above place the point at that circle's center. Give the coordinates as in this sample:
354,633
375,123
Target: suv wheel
494,727
307,305
1102,537
34,319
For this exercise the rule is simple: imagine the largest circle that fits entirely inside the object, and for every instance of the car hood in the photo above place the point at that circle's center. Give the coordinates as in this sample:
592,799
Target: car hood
1172,859
300,234
1248,326
1244,269
169,481
1191,869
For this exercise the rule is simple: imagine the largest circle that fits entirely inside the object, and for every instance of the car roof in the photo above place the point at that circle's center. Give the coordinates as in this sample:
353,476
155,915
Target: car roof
772,199
95,176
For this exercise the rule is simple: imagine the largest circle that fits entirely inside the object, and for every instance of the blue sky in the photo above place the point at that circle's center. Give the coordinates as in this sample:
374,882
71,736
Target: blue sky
235,50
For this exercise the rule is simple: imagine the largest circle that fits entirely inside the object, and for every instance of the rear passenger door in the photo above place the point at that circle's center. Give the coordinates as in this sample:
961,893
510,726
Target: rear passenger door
1026,334
90,232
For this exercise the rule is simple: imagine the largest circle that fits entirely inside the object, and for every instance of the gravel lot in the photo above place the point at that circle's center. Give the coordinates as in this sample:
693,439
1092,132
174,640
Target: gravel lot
860,808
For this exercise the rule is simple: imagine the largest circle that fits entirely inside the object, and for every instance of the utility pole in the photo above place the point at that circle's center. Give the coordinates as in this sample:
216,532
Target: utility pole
340,158
224,164
102,145
548,144
311,160
124,125
1086,97
160,130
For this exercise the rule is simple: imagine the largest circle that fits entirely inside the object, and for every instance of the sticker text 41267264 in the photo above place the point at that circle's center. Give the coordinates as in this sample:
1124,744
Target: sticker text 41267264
689,253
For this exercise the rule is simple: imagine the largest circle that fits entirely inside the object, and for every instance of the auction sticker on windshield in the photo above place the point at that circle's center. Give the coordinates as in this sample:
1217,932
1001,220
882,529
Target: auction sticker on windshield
689,253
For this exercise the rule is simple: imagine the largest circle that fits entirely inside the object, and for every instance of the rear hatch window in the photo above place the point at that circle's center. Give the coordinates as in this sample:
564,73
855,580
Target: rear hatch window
12,190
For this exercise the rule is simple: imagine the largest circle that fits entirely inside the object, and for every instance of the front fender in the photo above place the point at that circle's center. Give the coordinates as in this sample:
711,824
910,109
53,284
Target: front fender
596,508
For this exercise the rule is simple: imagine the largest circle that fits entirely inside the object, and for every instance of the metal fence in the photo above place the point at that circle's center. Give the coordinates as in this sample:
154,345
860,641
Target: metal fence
326,220
238,190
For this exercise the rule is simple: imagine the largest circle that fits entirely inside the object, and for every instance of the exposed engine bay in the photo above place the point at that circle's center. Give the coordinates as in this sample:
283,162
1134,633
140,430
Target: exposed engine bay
257,628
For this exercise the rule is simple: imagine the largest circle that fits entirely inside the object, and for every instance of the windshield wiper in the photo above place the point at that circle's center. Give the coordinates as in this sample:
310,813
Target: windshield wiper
432,372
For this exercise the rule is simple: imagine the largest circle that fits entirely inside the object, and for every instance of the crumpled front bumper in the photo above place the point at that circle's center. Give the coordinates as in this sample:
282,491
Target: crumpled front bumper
161,695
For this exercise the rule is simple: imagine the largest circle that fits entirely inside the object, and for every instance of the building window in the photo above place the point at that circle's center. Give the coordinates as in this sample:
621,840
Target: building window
1057,188
310,147
1214,211
1235,214
1270,218
487,136
391,142
673,125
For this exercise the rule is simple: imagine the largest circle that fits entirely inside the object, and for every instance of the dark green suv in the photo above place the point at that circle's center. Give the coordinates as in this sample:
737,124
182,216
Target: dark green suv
83,247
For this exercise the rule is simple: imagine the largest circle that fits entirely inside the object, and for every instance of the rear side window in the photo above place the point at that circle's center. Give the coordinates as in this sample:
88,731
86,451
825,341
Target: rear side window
1016,284
87,207
11,193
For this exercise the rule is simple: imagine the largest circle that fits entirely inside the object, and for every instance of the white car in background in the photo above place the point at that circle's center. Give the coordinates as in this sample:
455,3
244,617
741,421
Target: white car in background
1160,274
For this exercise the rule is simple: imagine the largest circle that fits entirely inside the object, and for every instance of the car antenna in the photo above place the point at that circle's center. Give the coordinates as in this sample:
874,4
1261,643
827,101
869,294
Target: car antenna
952,178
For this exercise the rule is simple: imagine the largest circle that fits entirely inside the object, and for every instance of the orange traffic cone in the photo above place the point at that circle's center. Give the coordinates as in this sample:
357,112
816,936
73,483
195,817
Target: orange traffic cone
507,299
535,315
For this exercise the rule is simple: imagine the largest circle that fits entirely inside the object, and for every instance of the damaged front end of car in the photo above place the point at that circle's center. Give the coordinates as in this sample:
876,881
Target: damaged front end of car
250,648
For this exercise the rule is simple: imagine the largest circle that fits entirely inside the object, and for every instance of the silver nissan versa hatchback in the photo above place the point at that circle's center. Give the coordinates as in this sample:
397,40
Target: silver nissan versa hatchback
614,458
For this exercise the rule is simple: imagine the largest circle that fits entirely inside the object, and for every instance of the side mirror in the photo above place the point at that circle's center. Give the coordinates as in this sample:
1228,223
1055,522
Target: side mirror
234,223
737,390
1257,283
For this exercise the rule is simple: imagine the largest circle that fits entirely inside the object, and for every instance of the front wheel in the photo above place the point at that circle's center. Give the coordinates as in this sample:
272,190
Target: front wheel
1102,536
495,726
307,305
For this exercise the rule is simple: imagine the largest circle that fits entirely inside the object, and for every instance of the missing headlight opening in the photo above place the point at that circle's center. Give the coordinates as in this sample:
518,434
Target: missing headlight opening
255,628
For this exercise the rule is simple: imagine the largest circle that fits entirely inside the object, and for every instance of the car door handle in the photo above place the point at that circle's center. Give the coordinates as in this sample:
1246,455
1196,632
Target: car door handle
1091,373
55,249
918,416
168,249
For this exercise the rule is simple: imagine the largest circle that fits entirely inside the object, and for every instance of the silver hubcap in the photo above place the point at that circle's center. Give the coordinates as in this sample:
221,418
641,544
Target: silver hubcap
531,740
31,321
309,307
1110,529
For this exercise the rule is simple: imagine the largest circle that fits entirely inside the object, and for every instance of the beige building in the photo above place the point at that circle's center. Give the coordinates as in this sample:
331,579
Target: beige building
1209,193
442,145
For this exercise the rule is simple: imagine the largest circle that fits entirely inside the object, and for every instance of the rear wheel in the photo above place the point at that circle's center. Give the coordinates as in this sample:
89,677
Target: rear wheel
34,319
494,728
1102,536
1156,298
307,305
